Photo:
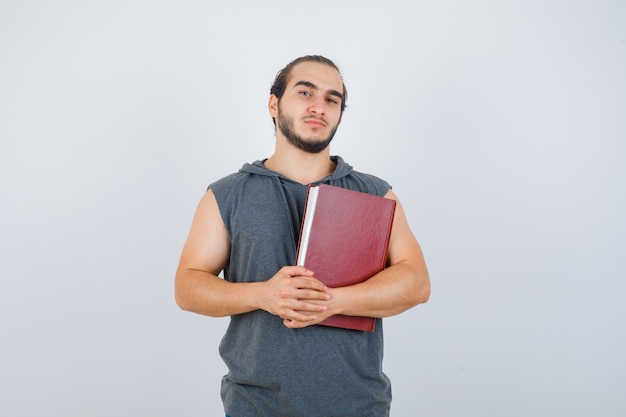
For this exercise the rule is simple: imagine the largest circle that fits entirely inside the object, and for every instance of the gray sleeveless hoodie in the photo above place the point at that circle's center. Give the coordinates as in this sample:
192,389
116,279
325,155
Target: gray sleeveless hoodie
275,371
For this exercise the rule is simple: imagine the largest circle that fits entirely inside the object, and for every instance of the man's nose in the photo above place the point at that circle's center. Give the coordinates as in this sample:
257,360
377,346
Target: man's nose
318,106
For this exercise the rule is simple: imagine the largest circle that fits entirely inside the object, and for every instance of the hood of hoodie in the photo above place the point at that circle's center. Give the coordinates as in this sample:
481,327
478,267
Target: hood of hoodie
342,169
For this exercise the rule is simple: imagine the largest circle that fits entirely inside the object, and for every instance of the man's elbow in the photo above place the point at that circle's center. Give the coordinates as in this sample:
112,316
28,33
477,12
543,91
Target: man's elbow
182,294
181,300
421,294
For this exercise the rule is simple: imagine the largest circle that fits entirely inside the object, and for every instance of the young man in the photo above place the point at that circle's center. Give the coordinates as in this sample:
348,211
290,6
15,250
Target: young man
247,225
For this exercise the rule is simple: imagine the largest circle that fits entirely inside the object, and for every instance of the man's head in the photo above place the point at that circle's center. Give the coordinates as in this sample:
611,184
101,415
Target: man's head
280,82
307,100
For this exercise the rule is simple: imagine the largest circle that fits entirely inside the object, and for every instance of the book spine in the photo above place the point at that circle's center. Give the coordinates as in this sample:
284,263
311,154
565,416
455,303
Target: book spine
307,222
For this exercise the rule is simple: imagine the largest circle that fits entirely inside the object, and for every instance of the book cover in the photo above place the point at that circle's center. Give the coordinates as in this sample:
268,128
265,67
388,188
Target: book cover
344,240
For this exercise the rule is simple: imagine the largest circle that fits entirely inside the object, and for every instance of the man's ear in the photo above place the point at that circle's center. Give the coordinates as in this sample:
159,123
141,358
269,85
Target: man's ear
272,105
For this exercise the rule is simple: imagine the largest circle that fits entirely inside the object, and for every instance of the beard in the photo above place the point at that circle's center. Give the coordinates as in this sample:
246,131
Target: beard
285,124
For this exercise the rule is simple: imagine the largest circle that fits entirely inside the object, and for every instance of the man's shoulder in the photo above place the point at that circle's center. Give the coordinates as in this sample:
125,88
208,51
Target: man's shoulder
229,180
346,176
366,176
365,182
246,173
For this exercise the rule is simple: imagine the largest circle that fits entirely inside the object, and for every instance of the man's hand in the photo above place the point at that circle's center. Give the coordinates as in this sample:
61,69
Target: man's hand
294,295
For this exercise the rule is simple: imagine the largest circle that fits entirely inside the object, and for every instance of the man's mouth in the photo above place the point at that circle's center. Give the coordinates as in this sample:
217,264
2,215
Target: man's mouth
315,122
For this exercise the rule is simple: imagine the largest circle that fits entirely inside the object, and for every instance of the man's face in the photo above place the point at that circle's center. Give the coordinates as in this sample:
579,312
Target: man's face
309,112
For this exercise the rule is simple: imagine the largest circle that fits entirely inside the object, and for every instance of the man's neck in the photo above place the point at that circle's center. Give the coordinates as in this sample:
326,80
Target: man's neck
300,166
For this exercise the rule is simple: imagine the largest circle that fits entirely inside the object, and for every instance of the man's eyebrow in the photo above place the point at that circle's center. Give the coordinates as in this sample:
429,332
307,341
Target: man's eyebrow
314,87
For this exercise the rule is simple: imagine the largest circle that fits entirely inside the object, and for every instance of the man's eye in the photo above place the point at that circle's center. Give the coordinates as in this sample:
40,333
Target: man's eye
332,101
304,93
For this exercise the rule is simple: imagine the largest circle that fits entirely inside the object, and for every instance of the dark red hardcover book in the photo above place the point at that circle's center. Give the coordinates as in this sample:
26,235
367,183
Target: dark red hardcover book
344,240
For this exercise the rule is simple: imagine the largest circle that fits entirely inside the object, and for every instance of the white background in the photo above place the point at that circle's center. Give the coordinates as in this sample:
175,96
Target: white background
500,124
